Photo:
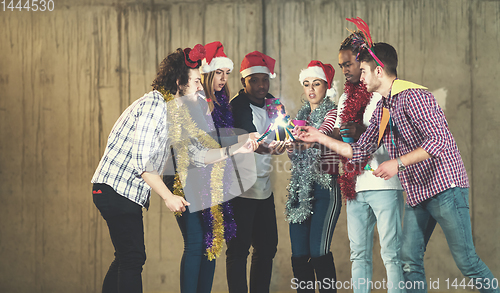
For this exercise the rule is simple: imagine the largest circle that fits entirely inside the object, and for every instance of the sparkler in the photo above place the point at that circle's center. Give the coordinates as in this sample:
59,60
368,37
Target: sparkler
289,133
269,129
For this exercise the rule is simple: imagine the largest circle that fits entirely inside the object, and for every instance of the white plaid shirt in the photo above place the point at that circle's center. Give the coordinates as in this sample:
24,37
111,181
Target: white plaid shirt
138,143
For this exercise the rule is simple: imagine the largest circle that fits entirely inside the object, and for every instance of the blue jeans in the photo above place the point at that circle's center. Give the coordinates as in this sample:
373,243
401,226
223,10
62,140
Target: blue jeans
385,208
313,237
450,209
197,272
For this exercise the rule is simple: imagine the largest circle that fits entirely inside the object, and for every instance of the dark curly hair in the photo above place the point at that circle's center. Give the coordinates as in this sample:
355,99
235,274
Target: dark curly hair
347,43
172,68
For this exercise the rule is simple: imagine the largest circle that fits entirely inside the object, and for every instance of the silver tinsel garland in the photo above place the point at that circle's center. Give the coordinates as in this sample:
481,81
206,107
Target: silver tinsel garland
306,168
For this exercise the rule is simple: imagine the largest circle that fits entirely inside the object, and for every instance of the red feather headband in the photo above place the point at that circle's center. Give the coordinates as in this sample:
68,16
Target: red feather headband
363,27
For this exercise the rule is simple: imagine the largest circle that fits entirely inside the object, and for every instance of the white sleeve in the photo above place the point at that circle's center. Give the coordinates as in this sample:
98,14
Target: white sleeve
370,108
340,107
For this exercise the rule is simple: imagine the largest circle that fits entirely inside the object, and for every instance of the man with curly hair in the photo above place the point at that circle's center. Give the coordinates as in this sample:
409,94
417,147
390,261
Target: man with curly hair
131,166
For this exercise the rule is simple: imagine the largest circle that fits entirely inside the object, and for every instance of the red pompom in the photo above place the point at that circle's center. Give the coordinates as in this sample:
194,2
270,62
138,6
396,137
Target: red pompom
198,53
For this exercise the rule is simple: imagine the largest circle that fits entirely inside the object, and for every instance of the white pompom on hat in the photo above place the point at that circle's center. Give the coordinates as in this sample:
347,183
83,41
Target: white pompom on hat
257,62
215,58
324,71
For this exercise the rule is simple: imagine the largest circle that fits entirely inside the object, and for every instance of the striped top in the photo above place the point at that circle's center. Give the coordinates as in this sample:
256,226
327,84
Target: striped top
329,159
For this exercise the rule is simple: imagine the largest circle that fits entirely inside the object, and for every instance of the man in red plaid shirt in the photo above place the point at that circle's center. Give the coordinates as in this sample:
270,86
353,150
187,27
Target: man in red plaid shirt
424,155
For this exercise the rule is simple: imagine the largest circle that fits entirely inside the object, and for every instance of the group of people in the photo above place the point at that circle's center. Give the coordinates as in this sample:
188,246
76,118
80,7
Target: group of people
382,127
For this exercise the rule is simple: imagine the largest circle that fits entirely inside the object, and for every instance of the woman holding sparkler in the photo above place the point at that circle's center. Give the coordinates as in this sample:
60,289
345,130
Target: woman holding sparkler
207,221
314,199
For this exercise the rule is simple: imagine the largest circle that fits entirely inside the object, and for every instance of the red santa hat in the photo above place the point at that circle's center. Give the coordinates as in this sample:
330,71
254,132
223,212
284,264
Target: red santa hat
215,58
193,57
256,62
317,69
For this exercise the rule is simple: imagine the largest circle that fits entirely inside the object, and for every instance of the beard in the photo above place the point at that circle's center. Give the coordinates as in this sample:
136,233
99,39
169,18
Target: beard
182,91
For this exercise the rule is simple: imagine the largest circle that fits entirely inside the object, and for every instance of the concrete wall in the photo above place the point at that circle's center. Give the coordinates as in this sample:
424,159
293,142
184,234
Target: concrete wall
66,75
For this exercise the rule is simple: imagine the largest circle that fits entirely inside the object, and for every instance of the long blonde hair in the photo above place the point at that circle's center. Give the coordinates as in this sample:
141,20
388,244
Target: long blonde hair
207,80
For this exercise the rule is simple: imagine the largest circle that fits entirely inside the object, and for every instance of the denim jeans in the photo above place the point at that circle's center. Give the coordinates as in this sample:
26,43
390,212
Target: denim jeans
126,229
384,208
256,226
450,209
313,237
197,272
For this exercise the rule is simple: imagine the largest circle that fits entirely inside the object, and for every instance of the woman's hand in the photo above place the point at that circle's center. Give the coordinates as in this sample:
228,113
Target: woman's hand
251,135
254,135
249,146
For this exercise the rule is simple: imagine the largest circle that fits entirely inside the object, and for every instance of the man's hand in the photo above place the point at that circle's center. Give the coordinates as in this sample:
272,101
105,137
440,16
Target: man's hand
387,169
308,133
289,146
351,129
176,203
277,147
311,134
173,202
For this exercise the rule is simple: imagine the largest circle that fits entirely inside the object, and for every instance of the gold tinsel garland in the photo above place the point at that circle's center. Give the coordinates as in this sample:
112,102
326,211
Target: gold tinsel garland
179,113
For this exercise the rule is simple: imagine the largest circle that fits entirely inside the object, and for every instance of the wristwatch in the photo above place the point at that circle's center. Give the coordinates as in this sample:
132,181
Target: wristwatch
401,167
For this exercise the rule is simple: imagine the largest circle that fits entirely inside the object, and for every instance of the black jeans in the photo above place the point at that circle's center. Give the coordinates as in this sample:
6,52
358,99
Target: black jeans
256,226
124,219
